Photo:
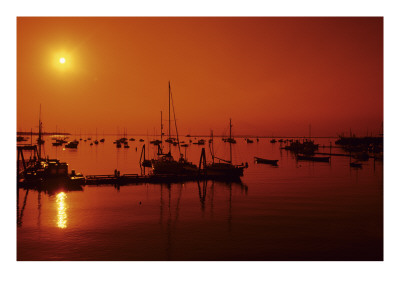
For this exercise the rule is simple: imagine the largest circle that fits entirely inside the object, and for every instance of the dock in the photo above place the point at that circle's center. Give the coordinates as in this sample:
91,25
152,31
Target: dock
78,182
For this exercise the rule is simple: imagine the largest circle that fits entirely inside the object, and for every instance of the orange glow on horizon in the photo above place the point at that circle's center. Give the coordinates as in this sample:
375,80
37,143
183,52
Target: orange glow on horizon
272,76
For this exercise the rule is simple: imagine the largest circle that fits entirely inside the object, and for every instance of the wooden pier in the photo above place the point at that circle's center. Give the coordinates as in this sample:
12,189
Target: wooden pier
76,183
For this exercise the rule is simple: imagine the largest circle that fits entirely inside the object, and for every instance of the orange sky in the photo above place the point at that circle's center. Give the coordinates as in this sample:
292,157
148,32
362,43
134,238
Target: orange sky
270,75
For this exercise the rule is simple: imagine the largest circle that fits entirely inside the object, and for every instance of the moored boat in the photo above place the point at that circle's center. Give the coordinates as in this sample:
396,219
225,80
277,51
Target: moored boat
223,169
260,160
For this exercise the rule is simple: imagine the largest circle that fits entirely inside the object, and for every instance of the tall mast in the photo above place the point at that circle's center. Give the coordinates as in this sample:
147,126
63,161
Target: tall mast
212,146
169,115
230,140
176,126
161,129
40,132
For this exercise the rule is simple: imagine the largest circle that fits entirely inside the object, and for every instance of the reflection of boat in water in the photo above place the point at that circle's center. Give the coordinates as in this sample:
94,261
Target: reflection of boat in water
223,168
355,165
165,163
260,160
313,158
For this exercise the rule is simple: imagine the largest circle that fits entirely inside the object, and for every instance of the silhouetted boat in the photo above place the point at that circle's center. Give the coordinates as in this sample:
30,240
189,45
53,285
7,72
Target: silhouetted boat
165,163
306,147
131,139
156,142
224,169
21,139
200,142
313,158
260,160
229,140
41,172
102,140
249,141
73,145
272,141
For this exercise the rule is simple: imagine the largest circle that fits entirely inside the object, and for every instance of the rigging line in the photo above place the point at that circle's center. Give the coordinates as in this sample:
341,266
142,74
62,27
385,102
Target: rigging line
176,127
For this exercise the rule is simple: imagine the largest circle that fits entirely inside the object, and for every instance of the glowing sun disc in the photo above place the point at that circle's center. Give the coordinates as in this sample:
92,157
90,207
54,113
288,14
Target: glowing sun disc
62,60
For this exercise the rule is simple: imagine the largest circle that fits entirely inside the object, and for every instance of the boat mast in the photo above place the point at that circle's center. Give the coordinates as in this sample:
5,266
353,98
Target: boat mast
230,140
161,139
212,146
40,132
176,126
169,116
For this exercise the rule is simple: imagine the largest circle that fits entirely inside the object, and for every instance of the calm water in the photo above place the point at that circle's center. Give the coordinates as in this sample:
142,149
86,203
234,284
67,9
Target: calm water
296,211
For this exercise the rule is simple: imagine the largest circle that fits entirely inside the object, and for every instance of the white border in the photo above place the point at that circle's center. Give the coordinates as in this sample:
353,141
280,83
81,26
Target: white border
199,280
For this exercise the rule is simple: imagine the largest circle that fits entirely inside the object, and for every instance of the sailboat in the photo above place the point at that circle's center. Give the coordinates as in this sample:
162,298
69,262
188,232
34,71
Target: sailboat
224,168
40,170
165,163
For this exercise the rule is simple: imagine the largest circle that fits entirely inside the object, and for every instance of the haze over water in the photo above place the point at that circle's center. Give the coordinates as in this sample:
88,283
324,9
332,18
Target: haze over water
296,211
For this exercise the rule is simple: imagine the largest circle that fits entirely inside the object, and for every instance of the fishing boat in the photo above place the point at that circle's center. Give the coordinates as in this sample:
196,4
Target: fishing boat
260,160
165,163
44,172
273,141
313,158
224,168
249,141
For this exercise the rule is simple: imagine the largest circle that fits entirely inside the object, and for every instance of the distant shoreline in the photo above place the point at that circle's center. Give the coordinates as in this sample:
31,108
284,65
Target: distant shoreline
184,136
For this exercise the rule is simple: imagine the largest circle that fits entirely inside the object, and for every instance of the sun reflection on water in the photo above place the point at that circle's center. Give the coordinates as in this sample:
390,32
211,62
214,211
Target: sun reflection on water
62,210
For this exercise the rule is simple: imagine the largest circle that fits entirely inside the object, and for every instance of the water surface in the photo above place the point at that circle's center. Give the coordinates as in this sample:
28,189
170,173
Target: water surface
296,211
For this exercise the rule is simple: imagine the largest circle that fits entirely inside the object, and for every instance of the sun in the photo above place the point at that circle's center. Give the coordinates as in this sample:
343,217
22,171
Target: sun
62,60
